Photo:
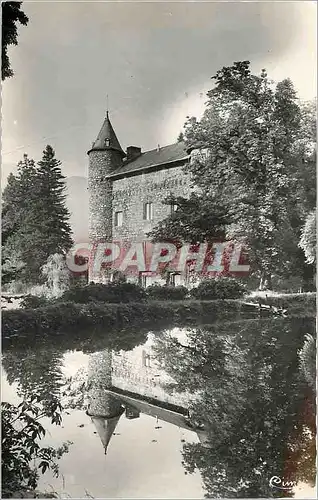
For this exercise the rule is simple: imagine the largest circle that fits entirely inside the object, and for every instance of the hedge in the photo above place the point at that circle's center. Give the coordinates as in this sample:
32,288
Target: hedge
112,292
61,317
218,288
157,292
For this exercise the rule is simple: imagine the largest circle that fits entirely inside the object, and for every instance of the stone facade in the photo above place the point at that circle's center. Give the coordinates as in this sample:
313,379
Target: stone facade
139,371
121,184
142,383
101,163
131,193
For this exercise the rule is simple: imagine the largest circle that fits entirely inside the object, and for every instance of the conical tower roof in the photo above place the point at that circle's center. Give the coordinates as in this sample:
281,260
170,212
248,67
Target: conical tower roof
107,138
105,428
203,438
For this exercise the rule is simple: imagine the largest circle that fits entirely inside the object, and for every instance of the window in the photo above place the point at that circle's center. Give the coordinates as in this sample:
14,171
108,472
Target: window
148,211
173,208
174,279
146,359
107,142
118,219
144,279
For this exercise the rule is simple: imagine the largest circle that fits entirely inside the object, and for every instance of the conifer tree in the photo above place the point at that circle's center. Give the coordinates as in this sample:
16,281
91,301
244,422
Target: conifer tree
16,201
51,202
35,217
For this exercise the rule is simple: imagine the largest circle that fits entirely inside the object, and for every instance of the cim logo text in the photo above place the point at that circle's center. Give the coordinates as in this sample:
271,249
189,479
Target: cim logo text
281,483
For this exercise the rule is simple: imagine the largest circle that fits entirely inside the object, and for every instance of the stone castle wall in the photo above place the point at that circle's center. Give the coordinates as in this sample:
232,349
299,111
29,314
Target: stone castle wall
129,196
101,163
131,193
138,371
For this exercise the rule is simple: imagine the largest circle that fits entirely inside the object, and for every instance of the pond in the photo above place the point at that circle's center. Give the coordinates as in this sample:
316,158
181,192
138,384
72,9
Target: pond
218,409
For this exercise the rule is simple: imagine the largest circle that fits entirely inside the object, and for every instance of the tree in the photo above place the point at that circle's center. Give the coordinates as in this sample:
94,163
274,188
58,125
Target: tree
11,16
308,238
180,137
35,216
35,372
50,216
17,199
21,435
196,220
252,157
307,356
57,275
258,413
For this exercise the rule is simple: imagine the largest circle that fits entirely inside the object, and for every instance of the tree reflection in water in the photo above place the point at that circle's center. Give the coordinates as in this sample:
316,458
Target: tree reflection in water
257,407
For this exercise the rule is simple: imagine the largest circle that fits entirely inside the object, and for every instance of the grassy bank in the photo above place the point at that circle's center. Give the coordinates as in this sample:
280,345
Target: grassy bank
69,315
296,304
62,317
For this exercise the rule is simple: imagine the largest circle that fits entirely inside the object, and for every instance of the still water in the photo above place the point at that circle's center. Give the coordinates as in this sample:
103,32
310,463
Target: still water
214,410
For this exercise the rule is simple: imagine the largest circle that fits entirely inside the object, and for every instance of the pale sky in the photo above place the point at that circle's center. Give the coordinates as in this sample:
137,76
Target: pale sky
153,59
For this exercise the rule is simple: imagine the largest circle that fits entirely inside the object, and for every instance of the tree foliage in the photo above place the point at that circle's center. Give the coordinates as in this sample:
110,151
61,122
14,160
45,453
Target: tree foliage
35,218
258,413
23,457
253,162
308,238
11,16
56,274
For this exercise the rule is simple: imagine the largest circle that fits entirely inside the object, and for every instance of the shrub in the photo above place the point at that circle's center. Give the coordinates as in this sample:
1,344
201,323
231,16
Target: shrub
157,292
56,274
218,288
307,358
23,457
33,302
302,304
112,292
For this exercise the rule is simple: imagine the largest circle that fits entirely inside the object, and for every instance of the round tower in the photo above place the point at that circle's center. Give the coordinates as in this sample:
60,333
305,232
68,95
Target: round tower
104,408
105,156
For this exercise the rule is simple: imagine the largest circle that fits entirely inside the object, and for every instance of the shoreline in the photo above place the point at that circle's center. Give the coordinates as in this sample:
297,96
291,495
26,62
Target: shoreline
64,316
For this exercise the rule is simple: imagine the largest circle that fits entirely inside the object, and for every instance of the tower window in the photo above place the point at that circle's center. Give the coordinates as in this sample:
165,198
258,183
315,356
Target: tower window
107,142
118,219
146,359
148,211
173,208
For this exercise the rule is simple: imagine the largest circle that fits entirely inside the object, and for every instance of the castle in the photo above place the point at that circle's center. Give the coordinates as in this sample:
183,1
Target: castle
134,383
126,190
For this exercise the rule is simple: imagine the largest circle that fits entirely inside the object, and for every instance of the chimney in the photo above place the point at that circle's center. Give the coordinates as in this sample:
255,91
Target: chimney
158,148
133,152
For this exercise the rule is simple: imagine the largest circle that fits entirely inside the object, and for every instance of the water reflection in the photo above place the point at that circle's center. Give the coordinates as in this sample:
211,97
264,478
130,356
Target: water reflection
233,392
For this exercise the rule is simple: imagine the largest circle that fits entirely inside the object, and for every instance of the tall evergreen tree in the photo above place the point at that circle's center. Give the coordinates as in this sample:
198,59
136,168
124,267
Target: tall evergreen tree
16,201
36,219
53,212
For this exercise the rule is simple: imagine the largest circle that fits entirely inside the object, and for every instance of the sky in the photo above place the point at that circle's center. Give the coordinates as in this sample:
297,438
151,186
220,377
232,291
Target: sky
154,60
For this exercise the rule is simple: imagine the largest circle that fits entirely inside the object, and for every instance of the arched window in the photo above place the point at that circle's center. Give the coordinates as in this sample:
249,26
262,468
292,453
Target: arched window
107,142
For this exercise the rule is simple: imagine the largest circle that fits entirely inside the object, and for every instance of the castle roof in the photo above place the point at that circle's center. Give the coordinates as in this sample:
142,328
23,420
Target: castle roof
159,157
105,428
169,414
107,138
